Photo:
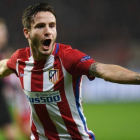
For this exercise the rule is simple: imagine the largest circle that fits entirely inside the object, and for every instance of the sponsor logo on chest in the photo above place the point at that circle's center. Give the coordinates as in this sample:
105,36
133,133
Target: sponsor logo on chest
43,97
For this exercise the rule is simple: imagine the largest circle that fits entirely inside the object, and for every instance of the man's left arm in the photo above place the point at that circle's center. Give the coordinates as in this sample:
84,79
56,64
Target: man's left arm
114,73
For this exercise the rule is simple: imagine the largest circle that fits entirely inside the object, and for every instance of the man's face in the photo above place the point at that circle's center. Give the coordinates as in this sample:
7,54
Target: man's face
42,35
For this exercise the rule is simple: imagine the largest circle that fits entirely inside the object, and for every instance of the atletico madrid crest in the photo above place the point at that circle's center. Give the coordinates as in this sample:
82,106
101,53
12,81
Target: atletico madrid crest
54,75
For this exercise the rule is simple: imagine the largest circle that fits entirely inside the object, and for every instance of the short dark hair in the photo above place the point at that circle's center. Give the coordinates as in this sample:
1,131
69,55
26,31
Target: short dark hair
32,10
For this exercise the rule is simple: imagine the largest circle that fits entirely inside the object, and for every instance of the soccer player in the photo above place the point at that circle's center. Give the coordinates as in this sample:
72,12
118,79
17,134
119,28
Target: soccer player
51,74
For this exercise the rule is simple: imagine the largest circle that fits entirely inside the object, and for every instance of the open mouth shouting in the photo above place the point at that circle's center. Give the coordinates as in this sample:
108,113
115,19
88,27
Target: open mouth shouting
46,43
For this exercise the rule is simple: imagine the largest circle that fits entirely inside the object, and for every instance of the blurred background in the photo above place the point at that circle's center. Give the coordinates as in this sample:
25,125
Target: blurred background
108,31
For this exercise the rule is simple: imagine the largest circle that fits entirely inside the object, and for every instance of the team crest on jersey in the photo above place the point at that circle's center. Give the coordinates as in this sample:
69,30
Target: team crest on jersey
54,75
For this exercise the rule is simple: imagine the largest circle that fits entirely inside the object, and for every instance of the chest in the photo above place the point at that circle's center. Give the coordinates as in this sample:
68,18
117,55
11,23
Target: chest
43,75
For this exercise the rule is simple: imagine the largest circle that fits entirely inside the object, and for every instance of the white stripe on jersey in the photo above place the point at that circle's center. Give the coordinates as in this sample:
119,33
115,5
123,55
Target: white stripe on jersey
47,85
55,115
38,124
32,136
27,77
72,104
40,137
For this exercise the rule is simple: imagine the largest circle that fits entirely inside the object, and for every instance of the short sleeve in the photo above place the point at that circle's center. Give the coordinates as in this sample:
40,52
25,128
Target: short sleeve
11,63
77,63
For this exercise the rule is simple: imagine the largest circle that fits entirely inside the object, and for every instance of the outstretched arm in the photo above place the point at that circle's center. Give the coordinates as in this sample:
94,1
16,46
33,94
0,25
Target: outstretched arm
4,70
114,73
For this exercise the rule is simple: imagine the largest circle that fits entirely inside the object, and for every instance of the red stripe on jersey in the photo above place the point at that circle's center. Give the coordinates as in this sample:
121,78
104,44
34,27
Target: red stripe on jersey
21,71
37,76
49,128
64,106
33,129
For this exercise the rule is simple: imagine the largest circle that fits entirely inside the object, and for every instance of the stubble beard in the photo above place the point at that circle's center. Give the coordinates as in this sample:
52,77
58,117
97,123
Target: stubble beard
39,52
49,51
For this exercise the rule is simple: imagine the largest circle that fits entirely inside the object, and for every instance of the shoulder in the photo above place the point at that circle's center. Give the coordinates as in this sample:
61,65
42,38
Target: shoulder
23,52
63,48
67,51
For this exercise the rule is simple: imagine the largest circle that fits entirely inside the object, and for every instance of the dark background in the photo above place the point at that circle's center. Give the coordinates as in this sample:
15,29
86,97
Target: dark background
107,30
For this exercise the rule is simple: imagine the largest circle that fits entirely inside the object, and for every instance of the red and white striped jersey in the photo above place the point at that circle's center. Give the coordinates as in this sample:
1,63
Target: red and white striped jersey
53,89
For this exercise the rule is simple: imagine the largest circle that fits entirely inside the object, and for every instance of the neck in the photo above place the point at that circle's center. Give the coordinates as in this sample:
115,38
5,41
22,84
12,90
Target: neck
39,55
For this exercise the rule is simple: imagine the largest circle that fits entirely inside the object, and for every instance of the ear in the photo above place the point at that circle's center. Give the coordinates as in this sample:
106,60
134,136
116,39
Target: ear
26,33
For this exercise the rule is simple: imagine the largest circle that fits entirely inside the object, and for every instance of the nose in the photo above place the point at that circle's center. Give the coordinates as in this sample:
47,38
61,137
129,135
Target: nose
47,31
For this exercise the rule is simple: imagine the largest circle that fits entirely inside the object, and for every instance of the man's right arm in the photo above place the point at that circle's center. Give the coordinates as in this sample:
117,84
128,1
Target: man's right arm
4,70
